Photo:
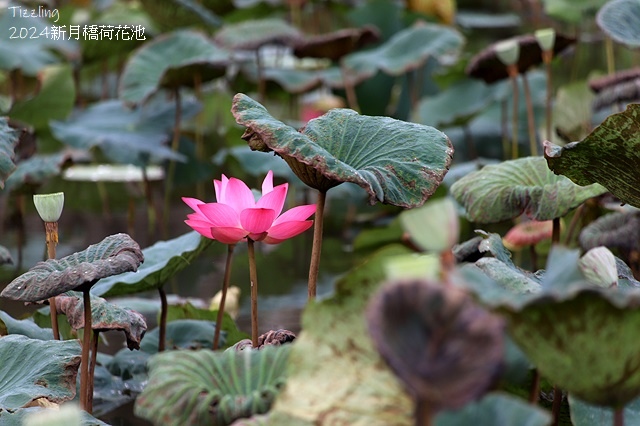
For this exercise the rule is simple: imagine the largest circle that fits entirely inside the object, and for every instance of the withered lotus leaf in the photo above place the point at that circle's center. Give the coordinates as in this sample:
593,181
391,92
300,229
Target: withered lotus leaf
114,255
445,349
105,316
337,44
618,229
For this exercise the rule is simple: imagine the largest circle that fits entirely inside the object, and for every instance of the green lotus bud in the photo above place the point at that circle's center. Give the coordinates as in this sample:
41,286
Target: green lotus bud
508,51
546,38
598,266
49,206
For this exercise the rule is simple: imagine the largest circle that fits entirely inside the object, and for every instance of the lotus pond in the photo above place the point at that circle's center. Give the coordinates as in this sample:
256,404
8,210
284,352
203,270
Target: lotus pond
362,212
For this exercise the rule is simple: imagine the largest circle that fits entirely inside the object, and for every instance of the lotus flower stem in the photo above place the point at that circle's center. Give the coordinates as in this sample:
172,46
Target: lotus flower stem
92,368
225,287
349,89
86,347
513,76
423,414
175,145
618,417
51,232
609,51
547,56
199,134
574,222
503,122
253,276
531,125
163,319
557,404
151,212
534,257
555,235
316,250
534,393
262,83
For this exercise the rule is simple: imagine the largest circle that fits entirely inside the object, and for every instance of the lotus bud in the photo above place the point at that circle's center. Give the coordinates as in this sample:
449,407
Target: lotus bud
546,38
49,206
598,265
66,415
508,52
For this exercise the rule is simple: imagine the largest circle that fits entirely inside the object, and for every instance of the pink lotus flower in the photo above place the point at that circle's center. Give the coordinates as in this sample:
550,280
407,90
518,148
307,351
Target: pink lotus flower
237,216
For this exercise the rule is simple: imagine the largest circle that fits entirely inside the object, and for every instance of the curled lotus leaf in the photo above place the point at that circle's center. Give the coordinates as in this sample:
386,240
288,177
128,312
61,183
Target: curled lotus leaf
618,229
105,316
211,388
447,350
396,162
608,155
511,188
114,255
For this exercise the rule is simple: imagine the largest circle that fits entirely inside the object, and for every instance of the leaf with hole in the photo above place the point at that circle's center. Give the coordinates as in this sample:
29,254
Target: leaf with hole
211,388
396,162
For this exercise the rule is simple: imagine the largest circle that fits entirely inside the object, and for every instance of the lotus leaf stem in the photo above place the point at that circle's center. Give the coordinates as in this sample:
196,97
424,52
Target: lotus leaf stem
316,250
423,414
618,417
225,287
555,233
534,257
547,56
531,125
513,76
534,393
557,404
51,232
92,368
163,319
253,276
175,145
86,347
574,222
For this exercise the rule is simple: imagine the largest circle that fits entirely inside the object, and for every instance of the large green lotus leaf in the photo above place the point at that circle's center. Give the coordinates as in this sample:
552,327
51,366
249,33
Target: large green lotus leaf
172,14
583,414
511,188
26,327
445,108
253,33
158,63
161,262
17,417
33,368
447,350
182,334
618,229
396,162
105,316
231,333
620,20
407,50
124,135
572,11
608,156
572,110
290,79
211,388
335,374
8,141
113,255
54,100
39,168
35,51
434,226
495,409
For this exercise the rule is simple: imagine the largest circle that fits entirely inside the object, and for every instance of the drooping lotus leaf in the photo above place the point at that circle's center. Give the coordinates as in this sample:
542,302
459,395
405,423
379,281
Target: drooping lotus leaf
162,261
334,369
35,51
54,100
39,168
620,94
495,409
17,417
211,388
618,229
601,83
620,20
105,316
396,162
159,64
114,255
571,329
336,44
444,348
583,414
25,327
182,334
8,141
608,156
487,66
511,188
406,50
124,135
254,33
33,368
434,226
